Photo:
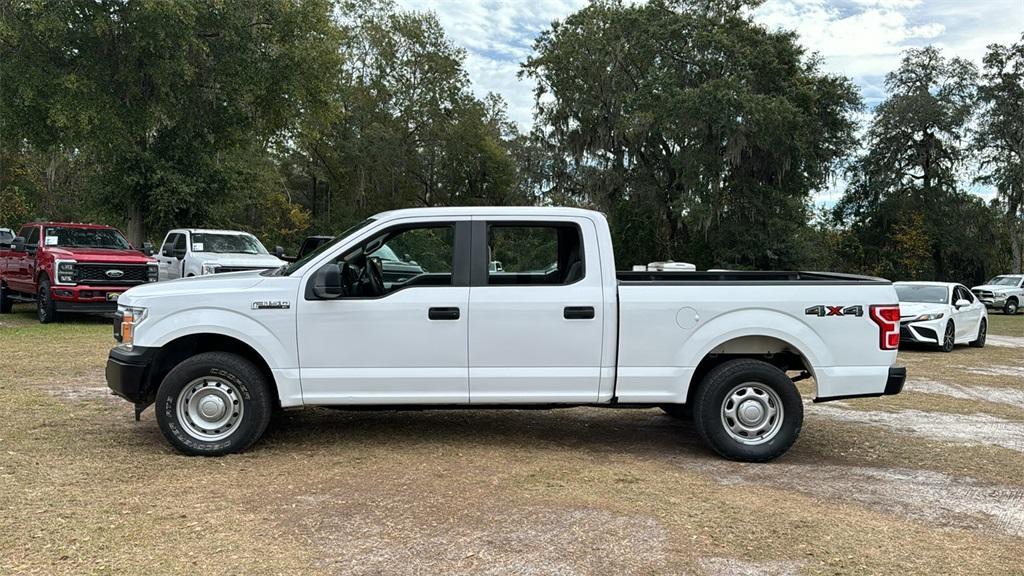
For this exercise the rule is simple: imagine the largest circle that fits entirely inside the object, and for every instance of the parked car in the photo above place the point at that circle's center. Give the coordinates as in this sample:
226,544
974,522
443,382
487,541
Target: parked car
1003,292
217,354
64,267
6,236
188,252
941,313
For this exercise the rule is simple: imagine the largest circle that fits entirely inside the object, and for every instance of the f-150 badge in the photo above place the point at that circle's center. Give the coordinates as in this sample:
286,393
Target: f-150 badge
271,305
835,311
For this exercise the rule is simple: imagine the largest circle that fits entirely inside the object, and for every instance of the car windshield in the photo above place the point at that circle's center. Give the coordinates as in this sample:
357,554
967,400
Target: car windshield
6,236
226,243
929,294
1004,281
288,269
69,237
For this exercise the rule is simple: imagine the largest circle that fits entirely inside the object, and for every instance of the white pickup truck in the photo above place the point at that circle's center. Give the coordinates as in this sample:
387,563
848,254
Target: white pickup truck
555,326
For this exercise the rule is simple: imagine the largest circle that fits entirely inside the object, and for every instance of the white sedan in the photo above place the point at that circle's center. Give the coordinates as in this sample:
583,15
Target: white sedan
941,313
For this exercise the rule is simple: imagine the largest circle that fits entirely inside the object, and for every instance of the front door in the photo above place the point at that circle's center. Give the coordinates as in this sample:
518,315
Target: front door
967,318
170,264
535,320
400,341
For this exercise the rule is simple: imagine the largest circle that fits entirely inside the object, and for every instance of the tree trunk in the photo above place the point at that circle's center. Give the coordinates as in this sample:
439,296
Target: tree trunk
136,223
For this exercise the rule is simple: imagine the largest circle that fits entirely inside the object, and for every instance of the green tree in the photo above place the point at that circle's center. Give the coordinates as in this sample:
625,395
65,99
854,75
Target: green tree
700,132
905,189
175,104
999,139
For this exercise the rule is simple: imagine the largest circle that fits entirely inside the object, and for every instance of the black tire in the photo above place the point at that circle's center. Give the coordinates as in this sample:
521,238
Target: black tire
948,338
717,389
1011,306
6,304
46,308
679,411
226,376
979,342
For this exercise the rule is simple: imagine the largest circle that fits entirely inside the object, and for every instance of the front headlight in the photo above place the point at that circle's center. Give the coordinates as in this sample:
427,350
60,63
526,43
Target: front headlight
209,268
131,317
925,317
66,272
152,272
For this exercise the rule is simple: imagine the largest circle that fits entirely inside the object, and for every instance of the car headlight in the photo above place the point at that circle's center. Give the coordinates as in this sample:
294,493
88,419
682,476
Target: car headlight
131,317
152,272
66,272
925,317
209,268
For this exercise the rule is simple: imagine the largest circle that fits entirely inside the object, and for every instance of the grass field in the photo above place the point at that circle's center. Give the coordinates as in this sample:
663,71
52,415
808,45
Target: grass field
927,482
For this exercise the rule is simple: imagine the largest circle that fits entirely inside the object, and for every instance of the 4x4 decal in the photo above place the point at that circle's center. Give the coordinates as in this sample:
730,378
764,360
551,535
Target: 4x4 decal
835,311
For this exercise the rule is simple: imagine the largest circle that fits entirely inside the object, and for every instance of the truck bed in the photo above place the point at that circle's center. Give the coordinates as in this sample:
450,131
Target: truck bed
745,277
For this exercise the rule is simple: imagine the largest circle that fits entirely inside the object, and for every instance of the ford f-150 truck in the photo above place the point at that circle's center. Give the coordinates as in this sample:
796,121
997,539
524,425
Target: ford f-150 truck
556,326
65,267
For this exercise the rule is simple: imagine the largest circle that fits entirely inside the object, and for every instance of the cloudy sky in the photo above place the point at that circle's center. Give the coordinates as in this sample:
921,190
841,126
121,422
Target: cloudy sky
859,38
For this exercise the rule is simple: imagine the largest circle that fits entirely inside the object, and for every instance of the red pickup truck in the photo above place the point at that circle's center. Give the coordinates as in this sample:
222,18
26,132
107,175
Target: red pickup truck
64,267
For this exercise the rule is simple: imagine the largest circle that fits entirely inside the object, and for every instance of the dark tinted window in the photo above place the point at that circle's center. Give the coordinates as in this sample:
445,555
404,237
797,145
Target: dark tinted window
169,242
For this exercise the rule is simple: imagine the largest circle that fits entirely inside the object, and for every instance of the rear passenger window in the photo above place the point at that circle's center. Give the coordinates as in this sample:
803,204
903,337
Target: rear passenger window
534,254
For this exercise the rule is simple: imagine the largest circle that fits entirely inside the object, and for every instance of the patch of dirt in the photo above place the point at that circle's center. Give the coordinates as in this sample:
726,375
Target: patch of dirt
933,497
1008,396
83,393
360,538
995,370
1004,341
732,567
974,429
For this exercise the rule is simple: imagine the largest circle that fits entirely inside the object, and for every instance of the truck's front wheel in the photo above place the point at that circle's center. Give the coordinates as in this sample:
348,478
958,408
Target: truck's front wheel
748,410
212,404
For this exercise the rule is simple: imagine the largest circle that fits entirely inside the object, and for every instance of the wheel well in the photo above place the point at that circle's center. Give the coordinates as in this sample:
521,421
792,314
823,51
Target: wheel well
774,351
1014,298
175,351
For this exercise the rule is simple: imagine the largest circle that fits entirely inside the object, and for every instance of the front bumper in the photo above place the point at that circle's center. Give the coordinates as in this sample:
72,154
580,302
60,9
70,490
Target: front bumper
128,373
993,302
923,332
86,298
893,385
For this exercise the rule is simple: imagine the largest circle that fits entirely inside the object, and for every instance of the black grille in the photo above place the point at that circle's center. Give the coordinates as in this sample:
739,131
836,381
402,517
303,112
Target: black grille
97,274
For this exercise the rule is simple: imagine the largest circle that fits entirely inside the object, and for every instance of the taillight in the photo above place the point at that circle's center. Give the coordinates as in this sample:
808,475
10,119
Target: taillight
887,316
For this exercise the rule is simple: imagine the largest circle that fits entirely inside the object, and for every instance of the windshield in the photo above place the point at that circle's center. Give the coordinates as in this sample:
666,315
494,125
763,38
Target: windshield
84,238
288,269
1004,281
6,236
929,294
226,243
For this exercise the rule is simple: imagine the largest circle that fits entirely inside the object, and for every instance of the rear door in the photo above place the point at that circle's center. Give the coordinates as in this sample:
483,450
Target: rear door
535,321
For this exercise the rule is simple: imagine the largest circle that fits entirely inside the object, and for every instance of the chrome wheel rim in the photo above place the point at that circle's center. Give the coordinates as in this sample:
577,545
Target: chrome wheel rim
210,408
752,413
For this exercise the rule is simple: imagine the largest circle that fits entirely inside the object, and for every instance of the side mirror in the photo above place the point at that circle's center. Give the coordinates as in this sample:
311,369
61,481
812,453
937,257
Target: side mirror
18,244
961,303
179,254
147,248
327,282
279,251
167,253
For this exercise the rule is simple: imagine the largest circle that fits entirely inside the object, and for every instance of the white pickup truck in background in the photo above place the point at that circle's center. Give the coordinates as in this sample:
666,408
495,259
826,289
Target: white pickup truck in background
188,252
555,326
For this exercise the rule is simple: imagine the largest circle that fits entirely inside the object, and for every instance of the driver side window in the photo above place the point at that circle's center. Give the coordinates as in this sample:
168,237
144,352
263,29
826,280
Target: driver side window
401,257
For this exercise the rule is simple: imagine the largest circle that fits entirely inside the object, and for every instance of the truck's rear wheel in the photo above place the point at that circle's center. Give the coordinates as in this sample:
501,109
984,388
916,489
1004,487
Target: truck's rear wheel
212,404
5,301
748,410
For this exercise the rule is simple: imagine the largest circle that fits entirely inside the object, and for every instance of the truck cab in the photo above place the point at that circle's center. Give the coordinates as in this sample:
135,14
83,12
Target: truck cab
67,267
554,325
